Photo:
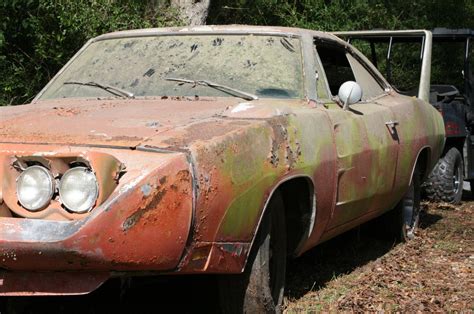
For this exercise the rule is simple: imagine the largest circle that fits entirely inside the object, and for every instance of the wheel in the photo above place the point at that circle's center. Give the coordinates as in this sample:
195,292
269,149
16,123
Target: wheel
259,289
445,183
401,222
410,208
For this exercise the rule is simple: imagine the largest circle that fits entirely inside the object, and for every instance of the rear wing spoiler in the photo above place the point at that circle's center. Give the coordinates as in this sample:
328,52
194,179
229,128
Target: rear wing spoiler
388,36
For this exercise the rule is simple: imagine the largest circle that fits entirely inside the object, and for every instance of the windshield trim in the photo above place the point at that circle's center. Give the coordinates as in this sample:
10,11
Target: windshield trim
156,33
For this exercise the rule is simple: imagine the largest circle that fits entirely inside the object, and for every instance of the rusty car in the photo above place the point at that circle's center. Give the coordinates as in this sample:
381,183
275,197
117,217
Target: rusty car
206,150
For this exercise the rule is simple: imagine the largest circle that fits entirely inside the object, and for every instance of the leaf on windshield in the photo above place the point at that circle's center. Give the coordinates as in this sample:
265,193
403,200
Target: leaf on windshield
286,43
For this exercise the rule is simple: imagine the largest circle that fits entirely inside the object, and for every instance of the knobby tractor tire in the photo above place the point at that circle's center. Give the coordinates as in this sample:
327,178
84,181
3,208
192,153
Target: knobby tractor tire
259,289
445,183
401,223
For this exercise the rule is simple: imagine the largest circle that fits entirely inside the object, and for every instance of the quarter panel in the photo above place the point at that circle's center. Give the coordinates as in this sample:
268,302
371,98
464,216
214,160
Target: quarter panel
237,173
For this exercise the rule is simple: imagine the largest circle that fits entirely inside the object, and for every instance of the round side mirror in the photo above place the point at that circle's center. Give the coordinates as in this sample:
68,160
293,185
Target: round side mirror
350,93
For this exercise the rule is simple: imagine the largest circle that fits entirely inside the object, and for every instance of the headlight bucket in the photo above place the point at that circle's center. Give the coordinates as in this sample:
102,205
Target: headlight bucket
35,187
78,189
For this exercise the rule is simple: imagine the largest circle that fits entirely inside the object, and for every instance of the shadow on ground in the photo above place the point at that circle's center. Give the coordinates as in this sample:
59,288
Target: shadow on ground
191,294
339,256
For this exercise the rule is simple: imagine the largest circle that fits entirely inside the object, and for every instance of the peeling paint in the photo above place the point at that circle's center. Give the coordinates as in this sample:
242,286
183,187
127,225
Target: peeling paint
242,107
133,183
146,189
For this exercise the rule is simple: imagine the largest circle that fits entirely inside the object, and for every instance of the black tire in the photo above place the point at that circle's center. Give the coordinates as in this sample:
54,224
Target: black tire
445,183
259,289
401,223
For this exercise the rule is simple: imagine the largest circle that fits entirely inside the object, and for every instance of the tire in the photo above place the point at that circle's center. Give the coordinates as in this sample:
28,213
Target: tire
259,289
401,223
445,183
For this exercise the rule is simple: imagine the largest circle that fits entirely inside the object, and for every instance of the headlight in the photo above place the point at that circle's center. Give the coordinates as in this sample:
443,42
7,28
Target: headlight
35,188
78,189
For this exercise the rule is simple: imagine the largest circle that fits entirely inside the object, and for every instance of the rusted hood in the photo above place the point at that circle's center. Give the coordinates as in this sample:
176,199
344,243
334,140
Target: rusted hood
130,123
126,123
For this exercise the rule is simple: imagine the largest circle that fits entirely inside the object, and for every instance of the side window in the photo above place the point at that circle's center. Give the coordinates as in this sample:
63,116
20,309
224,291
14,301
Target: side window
341,67
370,87
336,66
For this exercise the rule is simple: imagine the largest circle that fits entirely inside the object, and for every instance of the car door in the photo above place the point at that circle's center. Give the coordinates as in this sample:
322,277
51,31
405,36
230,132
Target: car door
365,136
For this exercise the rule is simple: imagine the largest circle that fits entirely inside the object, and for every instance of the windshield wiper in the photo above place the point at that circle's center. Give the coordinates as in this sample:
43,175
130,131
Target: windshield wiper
111,89
226,89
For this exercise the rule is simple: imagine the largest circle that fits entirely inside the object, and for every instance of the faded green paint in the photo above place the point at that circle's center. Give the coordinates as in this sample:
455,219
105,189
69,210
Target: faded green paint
298,150
246,154
243,213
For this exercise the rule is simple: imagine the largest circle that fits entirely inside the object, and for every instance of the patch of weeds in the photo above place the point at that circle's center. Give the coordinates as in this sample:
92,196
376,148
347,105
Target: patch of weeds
447,246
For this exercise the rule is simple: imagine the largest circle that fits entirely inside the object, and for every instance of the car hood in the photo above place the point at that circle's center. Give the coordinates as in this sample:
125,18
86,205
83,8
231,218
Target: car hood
124,123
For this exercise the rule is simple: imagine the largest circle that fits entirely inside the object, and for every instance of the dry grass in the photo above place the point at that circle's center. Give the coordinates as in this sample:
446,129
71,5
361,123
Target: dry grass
434,272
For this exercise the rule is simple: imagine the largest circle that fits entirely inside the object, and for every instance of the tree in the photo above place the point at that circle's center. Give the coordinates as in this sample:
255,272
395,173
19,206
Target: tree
193,11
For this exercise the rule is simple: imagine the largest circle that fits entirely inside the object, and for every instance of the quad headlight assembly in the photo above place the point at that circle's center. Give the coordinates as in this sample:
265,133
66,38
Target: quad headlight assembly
78,188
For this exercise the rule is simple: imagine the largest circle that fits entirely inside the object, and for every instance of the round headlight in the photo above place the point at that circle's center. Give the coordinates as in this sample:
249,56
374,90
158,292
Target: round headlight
78,189
35,188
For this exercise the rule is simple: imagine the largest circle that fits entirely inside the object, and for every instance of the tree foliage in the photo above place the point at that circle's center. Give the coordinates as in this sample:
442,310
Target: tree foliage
38,36
333,15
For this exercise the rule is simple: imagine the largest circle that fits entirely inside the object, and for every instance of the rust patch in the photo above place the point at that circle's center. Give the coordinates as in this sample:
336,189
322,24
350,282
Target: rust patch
155,200
163,180
66,112
204,131
292,154
153,196
280,136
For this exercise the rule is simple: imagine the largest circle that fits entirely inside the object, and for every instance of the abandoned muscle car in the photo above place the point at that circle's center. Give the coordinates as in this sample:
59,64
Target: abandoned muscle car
216,149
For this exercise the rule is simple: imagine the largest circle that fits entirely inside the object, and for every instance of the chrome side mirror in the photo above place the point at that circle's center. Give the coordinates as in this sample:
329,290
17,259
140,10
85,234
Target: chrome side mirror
349,93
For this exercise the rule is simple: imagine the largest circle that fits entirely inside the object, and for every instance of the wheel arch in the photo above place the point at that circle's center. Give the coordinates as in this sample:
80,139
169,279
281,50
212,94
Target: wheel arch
423,161
299,202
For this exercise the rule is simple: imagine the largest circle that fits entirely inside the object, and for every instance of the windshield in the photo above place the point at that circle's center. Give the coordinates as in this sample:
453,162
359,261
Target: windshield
266,66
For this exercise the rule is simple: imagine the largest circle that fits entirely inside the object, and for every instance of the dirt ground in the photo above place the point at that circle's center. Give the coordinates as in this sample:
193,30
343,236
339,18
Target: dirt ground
357,271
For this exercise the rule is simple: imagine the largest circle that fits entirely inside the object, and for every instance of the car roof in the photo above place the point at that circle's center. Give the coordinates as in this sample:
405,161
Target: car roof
218,29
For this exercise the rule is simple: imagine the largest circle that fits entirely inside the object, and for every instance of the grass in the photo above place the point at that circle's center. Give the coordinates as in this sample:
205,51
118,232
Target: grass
430,273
